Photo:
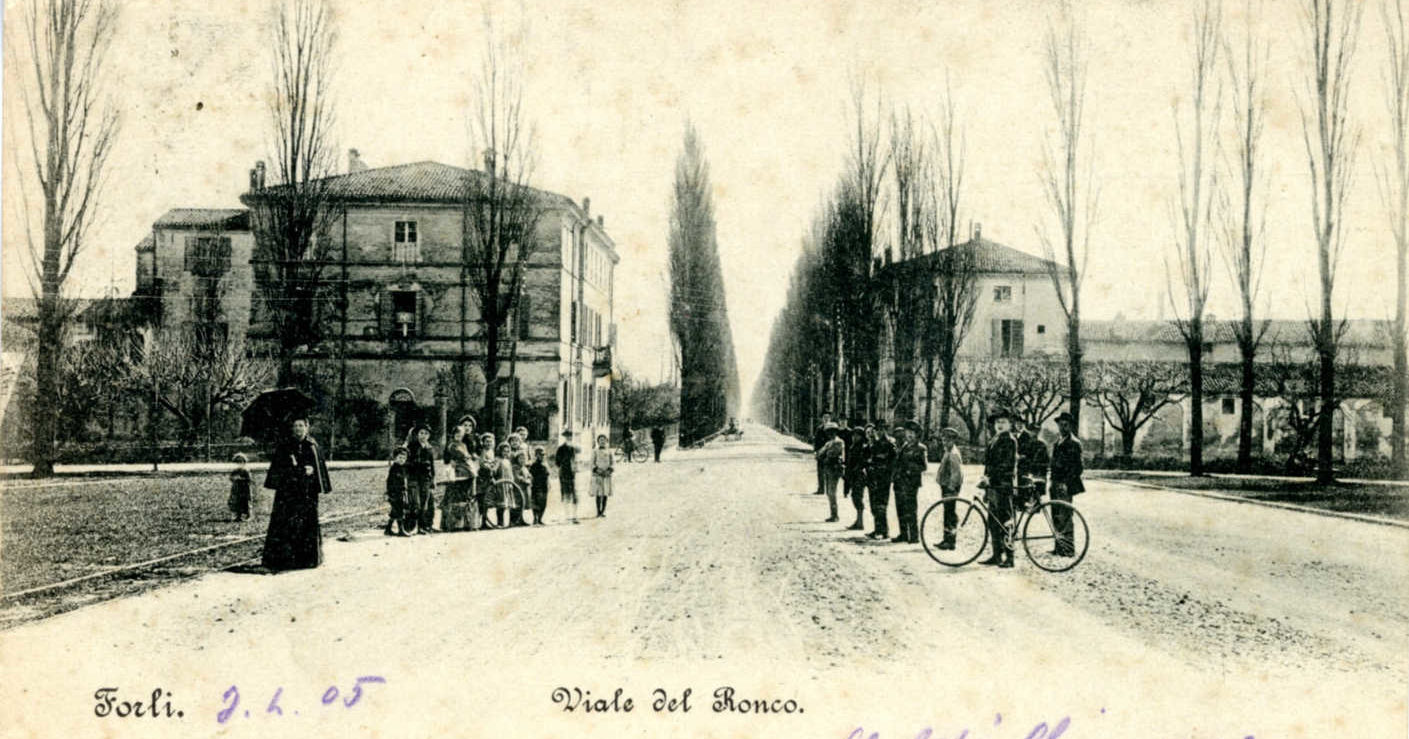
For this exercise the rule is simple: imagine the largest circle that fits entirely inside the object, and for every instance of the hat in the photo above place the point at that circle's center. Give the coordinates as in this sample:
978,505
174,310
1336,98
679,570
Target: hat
239,457
828,426
911,426
1064,416
466,418
949,432
400,449
567,433
998,413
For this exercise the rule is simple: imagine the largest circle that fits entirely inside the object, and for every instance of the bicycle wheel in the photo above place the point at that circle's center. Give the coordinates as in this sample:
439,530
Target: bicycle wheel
639,454
511,496
964,543
1048,548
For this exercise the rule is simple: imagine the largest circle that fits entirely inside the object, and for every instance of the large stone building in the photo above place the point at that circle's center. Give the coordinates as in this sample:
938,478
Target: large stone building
400,335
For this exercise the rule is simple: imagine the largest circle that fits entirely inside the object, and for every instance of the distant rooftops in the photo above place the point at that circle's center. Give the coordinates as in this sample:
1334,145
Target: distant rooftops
227,219
989,257
421,182
1358,332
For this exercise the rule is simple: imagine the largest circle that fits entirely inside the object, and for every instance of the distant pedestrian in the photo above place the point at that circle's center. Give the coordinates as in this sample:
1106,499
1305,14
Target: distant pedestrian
1066,482
538,472
950,478
397,523
832,459
628,442
878,479
565,459
911,461
658,440
602,468
858,452
298,474
420,474
819,438
241,486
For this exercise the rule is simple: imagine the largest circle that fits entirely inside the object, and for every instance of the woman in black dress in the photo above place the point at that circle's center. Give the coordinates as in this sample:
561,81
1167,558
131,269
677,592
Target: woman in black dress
298,474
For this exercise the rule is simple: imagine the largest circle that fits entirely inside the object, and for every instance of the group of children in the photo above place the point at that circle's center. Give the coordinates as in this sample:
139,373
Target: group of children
508,477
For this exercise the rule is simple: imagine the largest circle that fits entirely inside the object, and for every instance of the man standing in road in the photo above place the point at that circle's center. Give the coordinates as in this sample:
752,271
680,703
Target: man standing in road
1066,482
911,461
1000,464
819,439
1033,459
878,473
565,458
950,478
658,440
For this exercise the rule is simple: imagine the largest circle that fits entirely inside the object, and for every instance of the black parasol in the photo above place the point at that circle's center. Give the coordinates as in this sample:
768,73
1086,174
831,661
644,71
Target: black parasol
271,412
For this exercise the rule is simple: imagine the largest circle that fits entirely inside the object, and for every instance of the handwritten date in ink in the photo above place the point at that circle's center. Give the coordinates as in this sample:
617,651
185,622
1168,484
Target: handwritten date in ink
276,706
159,706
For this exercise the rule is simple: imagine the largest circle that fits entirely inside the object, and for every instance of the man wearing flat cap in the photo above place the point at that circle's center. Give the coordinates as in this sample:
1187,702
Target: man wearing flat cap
1066,481
911,461
1000,467
878,480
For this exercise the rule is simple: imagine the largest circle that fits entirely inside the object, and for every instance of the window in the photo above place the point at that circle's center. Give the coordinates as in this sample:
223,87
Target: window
1007,338
1229,406
208,256
1208,347
572,323
403,313
1041,329
406,245
1003,294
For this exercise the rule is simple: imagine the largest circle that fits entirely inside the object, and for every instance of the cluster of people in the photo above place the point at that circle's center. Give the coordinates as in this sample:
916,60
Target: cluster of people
868,462
486,475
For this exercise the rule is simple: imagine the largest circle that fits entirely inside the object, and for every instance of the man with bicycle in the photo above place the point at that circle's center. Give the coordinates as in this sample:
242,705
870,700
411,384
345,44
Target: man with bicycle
1000,471
1066,482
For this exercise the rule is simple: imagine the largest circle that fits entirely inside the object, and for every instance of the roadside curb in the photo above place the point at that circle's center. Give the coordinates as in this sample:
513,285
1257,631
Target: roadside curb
1215,495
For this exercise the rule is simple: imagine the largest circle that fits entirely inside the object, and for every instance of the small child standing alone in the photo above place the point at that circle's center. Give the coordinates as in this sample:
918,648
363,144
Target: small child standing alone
240,486
396,494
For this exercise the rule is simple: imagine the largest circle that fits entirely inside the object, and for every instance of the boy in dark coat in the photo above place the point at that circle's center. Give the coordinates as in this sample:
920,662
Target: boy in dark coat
240,490
397,522
538,471
420,473
878,472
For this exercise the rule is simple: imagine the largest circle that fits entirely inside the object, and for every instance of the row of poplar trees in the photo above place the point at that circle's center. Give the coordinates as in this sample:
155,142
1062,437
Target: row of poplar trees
699,317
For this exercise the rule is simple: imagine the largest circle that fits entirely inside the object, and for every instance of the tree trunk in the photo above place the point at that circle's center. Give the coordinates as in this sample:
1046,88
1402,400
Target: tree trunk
1245,400
1324,433
1400,395
1127,440
44,423
1196,397
1076,388
491,375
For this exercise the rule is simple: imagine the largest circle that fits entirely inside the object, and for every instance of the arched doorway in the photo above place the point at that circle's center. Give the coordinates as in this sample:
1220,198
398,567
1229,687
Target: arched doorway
402,414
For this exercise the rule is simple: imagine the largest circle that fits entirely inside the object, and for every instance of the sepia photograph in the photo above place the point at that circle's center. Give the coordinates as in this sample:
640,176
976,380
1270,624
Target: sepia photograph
850,369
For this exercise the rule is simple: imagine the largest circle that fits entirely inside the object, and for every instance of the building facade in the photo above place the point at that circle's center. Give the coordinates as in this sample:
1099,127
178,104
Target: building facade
400,338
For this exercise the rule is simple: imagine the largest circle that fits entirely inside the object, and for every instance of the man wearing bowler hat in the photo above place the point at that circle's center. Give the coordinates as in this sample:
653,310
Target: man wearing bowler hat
1000,467
1066,482
911,461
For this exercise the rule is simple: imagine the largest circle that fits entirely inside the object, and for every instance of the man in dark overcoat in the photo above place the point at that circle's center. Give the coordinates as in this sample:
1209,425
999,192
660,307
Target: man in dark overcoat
1000,465
911,461
298,474
878,478
1066,482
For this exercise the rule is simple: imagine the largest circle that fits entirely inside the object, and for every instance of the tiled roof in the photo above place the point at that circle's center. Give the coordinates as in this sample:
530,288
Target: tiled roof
231,219
1360,332
422,182
146,244
989,257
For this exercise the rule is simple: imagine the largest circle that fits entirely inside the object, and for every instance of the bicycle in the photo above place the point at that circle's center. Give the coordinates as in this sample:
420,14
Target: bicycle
1033,526
639,452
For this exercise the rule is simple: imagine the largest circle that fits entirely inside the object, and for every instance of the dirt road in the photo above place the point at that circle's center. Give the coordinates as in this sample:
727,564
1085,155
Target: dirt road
1189,617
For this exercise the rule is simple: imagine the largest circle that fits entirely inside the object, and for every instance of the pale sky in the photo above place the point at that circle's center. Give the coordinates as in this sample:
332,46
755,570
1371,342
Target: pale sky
611,84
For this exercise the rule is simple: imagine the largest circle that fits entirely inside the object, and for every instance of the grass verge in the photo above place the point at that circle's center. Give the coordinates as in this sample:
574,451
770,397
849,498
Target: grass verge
1369,499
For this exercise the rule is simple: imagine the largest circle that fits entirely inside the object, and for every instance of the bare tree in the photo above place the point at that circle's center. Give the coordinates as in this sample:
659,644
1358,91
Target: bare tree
1031,389
1068,176
956,278
1332,28
290,218
1198,184
71,131
910,173
1240,232
860,204
501,209
1131,393
1394,180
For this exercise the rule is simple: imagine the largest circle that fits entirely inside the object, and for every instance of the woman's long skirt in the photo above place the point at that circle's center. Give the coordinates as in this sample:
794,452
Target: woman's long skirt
459,507
294,541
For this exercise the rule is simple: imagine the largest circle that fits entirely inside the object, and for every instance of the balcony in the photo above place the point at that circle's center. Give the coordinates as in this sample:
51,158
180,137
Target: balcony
602,362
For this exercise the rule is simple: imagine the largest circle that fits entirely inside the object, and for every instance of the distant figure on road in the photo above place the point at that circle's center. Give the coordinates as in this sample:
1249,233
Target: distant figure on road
538,472
602,475
628,441
911,461
397,523
240,490
565,459
1066,481
658,440
832,460
819,437
298,474
878,475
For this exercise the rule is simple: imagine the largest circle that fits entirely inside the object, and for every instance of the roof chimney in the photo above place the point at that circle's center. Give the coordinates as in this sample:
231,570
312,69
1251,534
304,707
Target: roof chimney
354,162
601,221
257,176
491,161
587,207
978,231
